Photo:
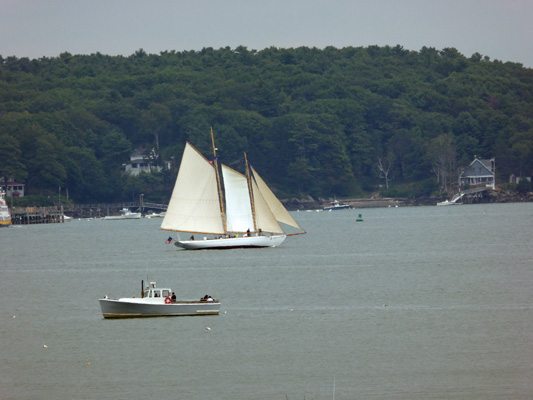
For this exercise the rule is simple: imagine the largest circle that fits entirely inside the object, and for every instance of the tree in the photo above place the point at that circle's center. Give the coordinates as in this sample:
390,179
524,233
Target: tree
155,121
10,160
442,154
384,165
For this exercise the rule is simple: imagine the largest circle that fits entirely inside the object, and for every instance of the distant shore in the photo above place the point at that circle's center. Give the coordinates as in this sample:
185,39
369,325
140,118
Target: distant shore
499,196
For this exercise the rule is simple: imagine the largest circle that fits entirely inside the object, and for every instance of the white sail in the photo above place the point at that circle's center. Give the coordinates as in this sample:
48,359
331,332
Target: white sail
195,204
273,204
239,217
263,215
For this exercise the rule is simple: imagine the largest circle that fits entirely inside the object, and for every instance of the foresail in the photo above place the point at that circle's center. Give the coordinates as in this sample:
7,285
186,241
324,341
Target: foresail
263,215
239,217
278,210
195,204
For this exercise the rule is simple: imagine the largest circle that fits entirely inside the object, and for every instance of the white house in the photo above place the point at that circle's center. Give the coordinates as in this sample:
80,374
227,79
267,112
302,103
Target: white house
139,162
14,189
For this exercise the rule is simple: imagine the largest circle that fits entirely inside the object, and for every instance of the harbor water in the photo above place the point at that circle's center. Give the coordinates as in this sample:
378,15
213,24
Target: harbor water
411,303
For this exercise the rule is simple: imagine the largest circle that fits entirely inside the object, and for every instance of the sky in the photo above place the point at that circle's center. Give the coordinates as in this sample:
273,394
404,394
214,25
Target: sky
499,29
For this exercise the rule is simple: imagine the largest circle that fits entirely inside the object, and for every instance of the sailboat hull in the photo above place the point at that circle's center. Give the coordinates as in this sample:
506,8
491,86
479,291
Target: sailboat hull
232,243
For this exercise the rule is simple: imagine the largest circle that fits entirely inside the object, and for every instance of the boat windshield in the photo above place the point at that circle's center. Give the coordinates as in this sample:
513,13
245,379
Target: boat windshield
157,293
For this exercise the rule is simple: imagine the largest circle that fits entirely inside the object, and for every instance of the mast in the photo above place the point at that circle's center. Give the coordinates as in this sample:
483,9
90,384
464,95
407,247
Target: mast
251,192
215,160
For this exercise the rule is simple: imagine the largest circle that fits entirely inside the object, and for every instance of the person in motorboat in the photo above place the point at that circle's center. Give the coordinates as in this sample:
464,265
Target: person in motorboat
173,298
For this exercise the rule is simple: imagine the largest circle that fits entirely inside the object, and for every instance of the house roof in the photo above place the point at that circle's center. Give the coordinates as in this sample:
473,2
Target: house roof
478,168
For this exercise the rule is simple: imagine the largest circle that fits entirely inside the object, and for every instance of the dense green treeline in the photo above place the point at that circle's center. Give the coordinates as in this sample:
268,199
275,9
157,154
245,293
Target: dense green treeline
313,122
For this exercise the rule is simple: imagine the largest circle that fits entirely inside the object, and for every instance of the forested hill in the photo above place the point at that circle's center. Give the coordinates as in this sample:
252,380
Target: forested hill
312,122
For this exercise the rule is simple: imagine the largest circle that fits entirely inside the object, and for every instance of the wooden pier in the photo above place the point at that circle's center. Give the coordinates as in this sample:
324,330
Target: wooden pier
37,215
55,214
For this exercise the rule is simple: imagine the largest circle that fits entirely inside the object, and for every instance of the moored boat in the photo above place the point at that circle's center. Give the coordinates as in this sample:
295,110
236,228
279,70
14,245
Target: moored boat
336,205
5,215
125,213
157,302
454,201
155,215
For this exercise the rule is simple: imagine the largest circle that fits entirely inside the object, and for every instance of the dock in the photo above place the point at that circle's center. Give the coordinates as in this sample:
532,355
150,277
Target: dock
37,215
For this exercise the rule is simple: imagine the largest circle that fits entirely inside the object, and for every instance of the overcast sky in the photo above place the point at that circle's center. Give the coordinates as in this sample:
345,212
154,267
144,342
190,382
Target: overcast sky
499,29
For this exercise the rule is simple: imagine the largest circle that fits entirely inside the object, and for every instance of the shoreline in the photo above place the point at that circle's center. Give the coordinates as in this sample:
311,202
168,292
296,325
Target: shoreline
500,196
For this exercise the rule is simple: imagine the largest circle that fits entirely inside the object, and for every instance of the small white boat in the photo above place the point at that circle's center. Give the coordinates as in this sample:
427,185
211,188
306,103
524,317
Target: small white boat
5,216
453,201
336,205
124,214
157,302
155,215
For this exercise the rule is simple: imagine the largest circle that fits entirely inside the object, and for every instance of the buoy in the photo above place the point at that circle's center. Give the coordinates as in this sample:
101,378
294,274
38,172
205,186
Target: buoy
45,346
359,218
88,363
207,328
14,316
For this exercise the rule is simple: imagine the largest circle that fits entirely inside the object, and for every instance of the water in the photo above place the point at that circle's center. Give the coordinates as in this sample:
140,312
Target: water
412,303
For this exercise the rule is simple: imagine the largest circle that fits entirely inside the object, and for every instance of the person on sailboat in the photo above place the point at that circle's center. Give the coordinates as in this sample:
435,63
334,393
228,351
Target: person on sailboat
248,232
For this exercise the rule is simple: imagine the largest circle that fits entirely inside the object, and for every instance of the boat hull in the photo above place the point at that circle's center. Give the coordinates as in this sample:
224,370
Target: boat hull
124,309
448,203
232,243
131,216
332,208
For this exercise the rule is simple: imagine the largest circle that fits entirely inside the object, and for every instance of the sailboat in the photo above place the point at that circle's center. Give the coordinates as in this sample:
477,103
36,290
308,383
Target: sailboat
247,214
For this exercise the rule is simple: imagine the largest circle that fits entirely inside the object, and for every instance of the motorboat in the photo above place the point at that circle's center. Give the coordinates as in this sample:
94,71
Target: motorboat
336,205
125,213
454,201
155,215
157,302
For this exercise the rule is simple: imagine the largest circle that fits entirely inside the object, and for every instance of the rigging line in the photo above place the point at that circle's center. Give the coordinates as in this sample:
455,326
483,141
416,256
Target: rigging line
238,161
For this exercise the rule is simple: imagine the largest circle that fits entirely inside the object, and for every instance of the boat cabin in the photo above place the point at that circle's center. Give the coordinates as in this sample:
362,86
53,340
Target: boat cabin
151,291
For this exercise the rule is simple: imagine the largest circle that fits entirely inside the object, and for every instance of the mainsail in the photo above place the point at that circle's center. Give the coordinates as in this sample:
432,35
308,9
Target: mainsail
239,216
246,206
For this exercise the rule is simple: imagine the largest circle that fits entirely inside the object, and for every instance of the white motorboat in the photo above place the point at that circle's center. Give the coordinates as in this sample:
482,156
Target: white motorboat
155,215
248,214
125,213
157,302
336,205
454,201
